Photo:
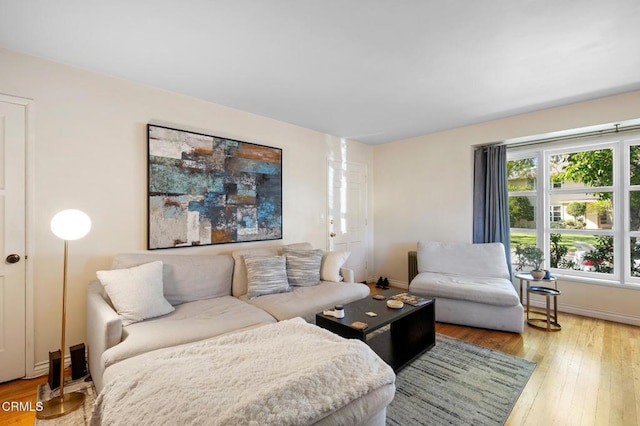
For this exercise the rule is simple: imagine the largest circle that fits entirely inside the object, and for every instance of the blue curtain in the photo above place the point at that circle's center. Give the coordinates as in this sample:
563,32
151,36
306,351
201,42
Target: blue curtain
491,198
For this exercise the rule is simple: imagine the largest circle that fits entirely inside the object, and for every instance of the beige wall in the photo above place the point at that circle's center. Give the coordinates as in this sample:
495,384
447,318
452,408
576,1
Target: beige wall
424,190
90,154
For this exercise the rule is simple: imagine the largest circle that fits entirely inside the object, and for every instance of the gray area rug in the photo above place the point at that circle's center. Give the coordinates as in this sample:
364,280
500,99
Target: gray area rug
79,417
458,383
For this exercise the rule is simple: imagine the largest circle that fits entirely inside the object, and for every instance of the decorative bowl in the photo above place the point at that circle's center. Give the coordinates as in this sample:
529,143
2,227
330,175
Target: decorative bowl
395,304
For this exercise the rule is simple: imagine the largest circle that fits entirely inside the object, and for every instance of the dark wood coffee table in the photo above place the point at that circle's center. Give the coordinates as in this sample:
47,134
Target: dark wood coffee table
412,329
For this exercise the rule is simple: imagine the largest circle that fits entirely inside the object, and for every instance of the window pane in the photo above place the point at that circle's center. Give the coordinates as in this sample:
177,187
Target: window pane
634,165
522,212
522,174
635,257
582,169
523,239
589,253
582,211
634,211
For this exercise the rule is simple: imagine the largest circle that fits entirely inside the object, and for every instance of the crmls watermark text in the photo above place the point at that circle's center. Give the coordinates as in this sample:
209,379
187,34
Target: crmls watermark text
21,406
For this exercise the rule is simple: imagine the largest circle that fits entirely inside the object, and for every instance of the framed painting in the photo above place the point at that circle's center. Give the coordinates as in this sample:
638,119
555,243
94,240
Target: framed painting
205,189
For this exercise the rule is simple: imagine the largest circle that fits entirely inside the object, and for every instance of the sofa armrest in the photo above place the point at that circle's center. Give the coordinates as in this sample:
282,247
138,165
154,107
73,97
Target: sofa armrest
347,275
104,327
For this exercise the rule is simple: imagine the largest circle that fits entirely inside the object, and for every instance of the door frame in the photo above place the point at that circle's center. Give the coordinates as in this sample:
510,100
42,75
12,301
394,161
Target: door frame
29,106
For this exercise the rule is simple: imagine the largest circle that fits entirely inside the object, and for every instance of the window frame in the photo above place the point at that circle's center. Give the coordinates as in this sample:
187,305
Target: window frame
620,189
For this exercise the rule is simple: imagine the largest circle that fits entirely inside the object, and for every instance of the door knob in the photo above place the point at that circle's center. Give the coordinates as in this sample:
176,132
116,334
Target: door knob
333,234
13,258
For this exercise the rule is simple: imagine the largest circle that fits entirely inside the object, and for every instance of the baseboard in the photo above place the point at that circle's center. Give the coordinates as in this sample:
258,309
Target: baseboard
571,309
42,368
591,313
399,284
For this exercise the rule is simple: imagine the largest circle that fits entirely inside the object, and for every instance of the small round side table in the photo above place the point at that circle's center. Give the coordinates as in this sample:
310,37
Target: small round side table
541,287
550,322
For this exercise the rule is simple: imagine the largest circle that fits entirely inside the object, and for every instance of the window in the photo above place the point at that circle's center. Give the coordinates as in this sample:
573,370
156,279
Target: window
591,191
556,213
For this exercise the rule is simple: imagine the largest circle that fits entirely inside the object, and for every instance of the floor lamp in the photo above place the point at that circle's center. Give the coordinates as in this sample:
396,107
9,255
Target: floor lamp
67,225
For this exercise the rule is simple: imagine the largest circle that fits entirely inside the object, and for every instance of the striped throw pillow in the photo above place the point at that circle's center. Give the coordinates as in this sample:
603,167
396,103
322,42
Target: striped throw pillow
303,267
266,275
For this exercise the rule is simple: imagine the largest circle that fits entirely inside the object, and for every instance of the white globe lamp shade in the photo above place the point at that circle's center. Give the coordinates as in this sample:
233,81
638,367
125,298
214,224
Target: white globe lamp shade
70,224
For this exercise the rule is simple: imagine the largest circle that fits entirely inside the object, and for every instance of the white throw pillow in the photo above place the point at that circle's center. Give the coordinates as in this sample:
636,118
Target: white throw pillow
266,275
136,293
332,261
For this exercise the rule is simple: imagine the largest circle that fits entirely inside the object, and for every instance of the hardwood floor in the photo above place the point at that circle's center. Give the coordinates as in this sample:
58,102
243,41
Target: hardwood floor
19,391
586,374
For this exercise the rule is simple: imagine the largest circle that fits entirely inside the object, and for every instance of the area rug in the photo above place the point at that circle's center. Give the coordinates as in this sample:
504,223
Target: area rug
79,417
458,383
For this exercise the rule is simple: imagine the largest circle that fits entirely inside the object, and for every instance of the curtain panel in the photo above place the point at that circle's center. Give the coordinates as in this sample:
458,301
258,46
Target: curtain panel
491,198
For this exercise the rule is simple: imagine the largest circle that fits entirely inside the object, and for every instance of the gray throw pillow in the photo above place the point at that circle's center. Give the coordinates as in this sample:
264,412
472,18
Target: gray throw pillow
266,275
303,267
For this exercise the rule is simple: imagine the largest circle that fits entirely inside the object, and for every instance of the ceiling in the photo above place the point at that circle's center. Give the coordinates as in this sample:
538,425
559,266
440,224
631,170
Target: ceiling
369,70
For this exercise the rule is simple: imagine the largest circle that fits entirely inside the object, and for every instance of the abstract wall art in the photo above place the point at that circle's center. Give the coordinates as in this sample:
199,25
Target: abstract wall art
210,190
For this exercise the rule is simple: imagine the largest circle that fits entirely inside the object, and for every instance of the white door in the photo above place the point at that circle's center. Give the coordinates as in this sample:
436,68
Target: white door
347,214
12,240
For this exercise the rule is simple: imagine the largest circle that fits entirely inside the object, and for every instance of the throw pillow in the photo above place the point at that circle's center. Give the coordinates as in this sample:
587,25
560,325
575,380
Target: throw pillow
136,293
303,267
331,263
266,275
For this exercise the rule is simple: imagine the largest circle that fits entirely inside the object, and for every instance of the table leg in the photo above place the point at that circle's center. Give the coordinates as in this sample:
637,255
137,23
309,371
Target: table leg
548,312
521,289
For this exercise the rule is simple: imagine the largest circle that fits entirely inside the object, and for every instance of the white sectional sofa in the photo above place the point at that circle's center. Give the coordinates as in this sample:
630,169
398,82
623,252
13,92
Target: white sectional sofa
471,283
209,308
209,297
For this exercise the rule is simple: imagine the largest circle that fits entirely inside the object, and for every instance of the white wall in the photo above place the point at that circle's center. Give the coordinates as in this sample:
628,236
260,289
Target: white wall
424,190
90,154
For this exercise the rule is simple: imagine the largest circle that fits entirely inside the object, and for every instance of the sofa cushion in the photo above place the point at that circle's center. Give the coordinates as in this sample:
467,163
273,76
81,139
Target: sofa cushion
305,302
239,287
481,260
332,261
186,277
136,293
266,275
189,322
487,290
303,266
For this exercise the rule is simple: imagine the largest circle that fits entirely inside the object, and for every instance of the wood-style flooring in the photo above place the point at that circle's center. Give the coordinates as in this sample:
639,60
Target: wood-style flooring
587,374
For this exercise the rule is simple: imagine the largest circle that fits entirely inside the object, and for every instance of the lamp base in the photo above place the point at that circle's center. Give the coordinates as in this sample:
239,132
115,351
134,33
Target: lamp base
59,406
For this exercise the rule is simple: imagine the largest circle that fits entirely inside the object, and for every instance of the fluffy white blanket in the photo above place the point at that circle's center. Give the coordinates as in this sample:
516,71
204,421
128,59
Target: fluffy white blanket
288,373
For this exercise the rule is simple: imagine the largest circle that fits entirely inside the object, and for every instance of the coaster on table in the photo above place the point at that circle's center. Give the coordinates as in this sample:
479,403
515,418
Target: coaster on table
359,325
